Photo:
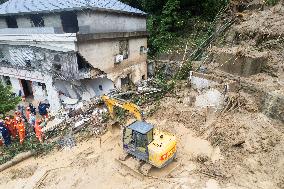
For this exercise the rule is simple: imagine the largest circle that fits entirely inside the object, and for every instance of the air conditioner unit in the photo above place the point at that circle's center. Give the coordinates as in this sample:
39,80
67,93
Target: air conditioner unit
118,59
145,50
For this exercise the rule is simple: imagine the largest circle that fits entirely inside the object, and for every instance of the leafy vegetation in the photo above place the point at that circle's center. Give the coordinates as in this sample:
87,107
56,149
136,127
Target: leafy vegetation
172,21
30,144
8,101
271,2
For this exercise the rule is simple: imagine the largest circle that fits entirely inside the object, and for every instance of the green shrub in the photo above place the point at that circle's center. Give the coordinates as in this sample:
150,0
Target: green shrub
271,2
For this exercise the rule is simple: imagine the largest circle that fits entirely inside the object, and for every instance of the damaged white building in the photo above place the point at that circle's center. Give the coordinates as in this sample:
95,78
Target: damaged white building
79,48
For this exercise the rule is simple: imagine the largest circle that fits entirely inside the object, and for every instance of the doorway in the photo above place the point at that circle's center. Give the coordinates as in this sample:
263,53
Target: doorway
27,88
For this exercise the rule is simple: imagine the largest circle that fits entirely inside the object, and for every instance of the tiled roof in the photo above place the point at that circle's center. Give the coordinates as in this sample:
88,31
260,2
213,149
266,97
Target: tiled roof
13,7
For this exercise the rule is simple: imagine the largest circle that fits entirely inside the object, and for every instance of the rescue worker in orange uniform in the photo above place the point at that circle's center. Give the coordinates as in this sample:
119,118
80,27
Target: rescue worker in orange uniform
21,130
38,130
16,116
11,127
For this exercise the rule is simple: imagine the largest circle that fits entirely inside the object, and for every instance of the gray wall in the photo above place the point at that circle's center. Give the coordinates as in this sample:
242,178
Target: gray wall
100,22
89,22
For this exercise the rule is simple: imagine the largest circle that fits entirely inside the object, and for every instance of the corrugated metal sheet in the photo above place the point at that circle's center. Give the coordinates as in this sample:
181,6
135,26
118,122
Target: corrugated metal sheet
41,6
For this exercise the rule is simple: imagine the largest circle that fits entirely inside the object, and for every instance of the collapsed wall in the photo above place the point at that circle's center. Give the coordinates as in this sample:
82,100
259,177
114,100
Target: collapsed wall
251,53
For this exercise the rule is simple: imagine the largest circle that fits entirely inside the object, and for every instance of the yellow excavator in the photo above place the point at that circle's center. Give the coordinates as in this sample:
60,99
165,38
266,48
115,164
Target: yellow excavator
142,141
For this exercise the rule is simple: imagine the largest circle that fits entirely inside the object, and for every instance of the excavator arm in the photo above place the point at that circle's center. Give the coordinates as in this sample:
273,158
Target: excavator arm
132,108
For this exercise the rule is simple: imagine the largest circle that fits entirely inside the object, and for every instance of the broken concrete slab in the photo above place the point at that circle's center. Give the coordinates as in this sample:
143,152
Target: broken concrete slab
211,98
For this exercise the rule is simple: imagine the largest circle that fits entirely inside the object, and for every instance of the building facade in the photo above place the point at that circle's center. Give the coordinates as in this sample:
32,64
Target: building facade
79,48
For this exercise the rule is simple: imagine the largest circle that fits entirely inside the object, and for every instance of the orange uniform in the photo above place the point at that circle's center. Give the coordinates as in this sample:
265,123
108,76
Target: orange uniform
11,127
1,142
38,131
21,131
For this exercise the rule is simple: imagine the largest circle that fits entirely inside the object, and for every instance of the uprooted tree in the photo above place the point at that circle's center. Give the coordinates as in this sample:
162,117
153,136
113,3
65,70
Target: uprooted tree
8,101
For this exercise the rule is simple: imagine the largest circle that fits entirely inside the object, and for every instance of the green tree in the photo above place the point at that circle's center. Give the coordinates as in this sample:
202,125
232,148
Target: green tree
7,99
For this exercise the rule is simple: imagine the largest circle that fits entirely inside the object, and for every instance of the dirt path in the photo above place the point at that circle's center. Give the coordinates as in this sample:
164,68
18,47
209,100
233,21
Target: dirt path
90,166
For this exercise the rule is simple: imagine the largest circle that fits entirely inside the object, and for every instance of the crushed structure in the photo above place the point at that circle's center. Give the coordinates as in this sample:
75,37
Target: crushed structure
73,51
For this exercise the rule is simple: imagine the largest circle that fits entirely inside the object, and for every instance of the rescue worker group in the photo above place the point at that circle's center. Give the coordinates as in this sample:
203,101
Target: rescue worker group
25,122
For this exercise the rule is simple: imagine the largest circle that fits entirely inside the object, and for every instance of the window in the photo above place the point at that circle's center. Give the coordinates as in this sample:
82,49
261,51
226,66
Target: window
150,136
69,22
37,20
124,48
127,136
11,22
141,142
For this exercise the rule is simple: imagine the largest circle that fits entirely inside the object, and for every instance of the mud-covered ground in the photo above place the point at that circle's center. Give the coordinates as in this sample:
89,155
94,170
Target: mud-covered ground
238,149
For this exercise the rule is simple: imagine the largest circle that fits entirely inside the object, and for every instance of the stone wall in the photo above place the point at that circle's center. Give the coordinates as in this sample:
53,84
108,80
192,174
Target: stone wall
239,61
273,105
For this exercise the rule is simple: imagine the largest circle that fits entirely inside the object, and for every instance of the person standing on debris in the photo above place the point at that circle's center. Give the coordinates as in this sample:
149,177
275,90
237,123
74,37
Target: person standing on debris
21,130
17,114
5,133
32,120
32,109
42,108
21,109
38,130
10,126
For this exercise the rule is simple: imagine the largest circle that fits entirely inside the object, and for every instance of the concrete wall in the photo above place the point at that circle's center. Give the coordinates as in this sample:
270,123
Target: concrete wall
94,84
53,96
16,85
240,61
52,20
101,22
24,22
84,89
89,22
101,54
38,92
3,23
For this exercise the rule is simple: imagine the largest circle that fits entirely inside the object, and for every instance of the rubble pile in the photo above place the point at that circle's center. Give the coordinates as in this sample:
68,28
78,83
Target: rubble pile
89,116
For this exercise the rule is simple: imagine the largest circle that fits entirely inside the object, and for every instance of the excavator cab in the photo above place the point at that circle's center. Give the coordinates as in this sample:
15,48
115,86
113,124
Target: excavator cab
136,138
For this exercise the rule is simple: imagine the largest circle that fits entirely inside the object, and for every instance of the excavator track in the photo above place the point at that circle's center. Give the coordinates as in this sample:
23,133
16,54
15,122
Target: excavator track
145,169
142,169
